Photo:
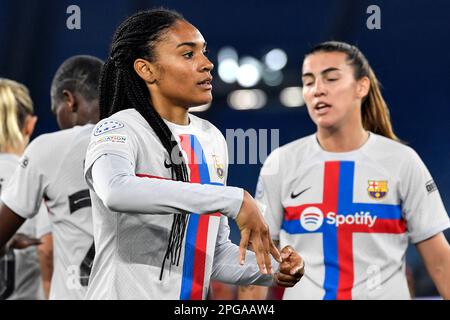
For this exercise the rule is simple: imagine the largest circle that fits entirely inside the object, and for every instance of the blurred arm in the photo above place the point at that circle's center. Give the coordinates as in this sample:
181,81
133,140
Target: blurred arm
45,251
10,222
435,253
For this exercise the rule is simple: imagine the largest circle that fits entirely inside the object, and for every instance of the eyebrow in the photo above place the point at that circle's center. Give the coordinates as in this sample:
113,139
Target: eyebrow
323,72
190,44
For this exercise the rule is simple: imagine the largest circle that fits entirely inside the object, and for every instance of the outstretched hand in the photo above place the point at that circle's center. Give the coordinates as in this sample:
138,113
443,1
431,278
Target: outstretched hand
22,241
255,234
292,268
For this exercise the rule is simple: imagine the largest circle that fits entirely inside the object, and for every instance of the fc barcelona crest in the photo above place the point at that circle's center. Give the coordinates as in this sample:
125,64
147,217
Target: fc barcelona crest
220,170
377,189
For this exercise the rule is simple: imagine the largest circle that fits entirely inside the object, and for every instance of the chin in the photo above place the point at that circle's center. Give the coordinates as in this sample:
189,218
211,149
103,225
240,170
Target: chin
200,102
325,123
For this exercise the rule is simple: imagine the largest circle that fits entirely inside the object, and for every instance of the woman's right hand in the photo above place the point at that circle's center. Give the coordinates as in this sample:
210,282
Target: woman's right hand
255,233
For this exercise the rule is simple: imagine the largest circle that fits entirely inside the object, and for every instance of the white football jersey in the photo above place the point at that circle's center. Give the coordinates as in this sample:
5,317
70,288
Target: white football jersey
131,246
350,215
52,169
25,280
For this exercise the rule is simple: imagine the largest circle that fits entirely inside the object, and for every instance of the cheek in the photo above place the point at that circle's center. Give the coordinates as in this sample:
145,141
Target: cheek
346,93
307,96
175,81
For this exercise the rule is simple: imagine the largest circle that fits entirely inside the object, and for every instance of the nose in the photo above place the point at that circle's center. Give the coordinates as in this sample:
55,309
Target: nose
207,65
319,88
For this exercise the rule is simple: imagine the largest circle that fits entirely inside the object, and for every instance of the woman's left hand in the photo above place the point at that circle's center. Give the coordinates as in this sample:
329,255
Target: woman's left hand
292,268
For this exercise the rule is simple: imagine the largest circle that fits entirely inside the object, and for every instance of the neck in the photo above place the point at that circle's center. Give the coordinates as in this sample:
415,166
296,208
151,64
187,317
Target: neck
171,113
342,139
16,151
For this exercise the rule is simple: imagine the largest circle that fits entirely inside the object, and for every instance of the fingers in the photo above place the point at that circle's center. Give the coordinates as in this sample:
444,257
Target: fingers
274,251
286,277
22,241
266,242
298,269
260,253
286,252
245,236
34,242
292,264
285,280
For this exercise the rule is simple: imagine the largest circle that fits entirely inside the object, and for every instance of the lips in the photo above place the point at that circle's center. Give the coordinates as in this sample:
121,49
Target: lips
321,107
206,83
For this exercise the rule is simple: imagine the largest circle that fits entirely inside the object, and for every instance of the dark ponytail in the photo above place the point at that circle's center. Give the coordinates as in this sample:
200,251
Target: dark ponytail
121,88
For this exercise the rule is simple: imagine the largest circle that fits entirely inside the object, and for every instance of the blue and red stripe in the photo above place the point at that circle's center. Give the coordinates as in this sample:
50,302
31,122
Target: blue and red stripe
338,241
197,229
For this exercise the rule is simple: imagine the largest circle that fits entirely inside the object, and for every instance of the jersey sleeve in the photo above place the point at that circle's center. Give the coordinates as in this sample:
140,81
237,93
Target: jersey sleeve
226,157
226,266
110,137
25,190
268,193
422,204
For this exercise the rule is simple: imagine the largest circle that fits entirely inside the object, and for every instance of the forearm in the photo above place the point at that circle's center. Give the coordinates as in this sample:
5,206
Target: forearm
440,273
120,190
45,251
9,224
435,252
227,268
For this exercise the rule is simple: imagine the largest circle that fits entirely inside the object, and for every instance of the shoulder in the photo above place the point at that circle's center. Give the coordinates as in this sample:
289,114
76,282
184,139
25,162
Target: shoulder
282,156
124,120
295,149
59,139
8,162
395,150
204,125
299,145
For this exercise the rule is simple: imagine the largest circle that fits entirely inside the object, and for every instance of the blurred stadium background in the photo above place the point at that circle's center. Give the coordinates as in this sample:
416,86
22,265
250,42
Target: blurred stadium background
257,48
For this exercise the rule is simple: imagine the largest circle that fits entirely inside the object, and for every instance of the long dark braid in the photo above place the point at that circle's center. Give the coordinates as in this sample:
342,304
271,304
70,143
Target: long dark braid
122,88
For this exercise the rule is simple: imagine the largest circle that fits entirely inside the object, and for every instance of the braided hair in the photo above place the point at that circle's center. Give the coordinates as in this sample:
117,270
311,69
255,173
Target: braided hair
122,88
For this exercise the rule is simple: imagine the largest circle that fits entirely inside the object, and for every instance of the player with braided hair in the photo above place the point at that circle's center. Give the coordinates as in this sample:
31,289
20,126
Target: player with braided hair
157,175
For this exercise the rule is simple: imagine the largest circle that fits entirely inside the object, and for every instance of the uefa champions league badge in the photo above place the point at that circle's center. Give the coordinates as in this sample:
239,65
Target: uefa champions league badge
107,126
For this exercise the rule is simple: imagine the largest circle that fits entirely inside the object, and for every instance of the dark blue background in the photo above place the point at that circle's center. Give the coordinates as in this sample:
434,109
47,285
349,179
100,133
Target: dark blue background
410,55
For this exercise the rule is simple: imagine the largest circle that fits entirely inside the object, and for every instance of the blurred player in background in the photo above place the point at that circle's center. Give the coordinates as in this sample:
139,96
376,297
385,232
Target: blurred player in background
350,196
20,277
157,175
52,169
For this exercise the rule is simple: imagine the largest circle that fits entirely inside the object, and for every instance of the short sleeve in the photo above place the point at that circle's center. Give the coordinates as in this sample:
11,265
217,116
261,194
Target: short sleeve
25,190
422,205
109,137
268,193
226,158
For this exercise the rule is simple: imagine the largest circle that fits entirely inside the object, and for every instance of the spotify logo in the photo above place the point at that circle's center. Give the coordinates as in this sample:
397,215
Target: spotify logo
311,218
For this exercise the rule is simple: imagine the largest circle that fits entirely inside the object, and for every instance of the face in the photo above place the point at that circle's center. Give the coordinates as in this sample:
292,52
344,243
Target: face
331,93
181,70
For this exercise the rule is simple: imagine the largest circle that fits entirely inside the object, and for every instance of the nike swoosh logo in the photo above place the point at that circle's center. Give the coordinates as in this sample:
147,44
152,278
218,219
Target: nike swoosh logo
167,165
293,196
